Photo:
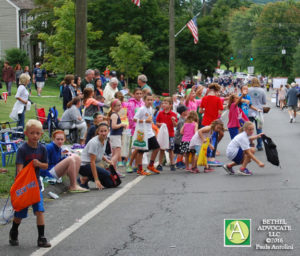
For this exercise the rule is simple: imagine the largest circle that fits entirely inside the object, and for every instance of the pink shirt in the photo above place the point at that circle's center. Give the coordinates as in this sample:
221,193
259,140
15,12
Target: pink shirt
188,131
193,105
235,114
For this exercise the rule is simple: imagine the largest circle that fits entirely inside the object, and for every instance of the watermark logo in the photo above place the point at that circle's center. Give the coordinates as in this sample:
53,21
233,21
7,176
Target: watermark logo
237,233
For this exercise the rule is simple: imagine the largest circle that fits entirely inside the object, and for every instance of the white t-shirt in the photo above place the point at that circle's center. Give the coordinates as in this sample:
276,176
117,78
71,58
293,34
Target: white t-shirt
239,141
94,147
196,140
142,114
22,93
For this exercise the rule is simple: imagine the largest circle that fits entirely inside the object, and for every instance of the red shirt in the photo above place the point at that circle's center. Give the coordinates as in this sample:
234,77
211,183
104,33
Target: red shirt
212,104
166,118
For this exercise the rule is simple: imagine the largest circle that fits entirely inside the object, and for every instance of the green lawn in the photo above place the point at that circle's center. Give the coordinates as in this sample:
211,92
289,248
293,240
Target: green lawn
51,89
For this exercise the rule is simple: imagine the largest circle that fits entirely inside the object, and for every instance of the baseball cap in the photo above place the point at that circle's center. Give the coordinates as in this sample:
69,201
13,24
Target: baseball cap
181,109
113,73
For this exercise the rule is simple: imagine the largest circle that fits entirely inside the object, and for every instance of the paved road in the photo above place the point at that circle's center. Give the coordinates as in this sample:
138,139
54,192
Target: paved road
177,213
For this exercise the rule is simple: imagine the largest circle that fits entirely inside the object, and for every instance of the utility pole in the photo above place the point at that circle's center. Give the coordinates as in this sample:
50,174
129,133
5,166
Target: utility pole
172,80
80,37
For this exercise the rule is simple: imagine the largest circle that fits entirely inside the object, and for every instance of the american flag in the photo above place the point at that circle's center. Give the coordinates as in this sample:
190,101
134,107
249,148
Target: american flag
192,25
137,2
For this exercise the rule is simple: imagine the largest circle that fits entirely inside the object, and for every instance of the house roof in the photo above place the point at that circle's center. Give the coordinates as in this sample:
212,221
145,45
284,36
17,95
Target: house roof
24,4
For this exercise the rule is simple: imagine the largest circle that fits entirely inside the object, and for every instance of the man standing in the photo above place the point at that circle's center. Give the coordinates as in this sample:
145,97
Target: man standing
88,81
8,76
292,101
39,77
142,82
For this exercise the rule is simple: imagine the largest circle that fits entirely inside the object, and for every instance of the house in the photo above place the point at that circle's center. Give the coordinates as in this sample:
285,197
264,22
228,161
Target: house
14,17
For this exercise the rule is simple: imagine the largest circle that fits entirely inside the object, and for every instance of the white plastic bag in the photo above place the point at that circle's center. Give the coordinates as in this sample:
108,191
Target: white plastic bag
126,135
140,140
260,119
163,137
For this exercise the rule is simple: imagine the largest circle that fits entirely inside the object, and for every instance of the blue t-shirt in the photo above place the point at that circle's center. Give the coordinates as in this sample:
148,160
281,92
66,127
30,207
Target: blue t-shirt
244,106
39,74
26,154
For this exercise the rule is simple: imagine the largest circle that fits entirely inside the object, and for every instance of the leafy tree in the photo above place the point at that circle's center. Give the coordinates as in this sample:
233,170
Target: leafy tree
62,42
15,56
241,33
277,29
296,63
130,54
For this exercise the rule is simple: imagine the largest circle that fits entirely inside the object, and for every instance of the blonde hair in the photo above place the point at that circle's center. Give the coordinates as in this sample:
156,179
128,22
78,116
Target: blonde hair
24,79
169,100
255,82
246,126
33,122
192,117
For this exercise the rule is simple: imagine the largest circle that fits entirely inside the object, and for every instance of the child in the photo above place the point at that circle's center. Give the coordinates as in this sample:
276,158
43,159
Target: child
132,107
169,118
236,117
199,138
240,152
31,150
144,114
183,112
116,130
157,102
188,130
98,118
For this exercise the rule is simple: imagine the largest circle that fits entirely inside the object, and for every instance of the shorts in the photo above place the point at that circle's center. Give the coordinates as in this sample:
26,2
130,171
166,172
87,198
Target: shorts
177,149
195,149
239,157
40,84
115,141
152,145
38,207
294,107
185,147
53,173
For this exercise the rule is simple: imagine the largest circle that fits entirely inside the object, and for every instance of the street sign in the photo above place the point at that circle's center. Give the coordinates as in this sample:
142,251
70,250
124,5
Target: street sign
251,70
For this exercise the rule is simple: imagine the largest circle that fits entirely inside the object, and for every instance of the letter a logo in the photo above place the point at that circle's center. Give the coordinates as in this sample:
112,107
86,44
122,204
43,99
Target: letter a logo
237,233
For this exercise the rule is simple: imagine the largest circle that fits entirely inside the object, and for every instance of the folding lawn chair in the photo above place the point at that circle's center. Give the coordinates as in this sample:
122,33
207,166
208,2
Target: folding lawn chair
41,116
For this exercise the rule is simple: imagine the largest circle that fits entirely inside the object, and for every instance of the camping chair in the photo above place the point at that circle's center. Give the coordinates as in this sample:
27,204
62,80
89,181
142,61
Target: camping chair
8,147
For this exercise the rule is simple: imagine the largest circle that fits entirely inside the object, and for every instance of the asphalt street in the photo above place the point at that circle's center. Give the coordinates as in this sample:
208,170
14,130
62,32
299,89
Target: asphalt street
179,213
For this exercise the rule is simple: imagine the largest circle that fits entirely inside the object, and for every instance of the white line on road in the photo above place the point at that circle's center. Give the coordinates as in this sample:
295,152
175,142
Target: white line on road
100,207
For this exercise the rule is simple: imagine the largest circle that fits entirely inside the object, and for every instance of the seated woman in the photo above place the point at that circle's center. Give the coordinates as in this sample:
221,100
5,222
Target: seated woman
59,165
92,154
72,118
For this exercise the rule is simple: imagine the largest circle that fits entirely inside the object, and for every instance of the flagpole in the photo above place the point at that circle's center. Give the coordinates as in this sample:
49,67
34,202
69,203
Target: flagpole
185,24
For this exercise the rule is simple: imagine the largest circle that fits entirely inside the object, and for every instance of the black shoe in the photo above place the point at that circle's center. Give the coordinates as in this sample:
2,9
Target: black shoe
260,149
85,185
42,242
13,238
172,167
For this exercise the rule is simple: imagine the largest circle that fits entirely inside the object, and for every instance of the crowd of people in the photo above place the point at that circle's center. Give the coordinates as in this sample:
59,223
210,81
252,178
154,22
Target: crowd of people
103,109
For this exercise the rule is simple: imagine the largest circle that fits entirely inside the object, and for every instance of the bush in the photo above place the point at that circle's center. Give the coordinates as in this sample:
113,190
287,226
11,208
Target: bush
15,56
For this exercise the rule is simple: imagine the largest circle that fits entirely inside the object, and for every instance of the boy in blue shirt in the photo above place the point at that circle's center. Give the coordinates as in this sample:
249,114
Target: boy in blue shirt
32,150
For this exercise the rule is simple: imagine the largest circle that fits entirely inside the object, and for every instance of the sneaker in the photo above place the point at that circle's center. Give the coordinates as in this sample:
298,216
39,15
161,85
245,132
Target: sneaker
129,169
291,120
134,169
188,169
159,168
178,165
172,167
120,164
143,173
152,169
294,120
42,242
182,166
207,170
195,170
245,172
13,238
214,163
260,149
83,185
229,170
121,175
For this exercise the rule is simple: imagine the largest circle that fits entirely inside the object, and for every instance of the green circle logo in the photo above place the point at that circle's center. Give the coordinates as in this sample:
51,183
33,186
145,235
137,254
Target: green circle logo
237,232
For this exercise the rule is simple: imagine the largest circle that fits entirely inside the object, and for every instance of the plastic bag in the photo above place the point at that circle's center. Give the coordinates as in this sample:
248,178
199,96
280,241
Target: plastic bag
126,136
260,119
202,159
163,137
140,140
6,213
